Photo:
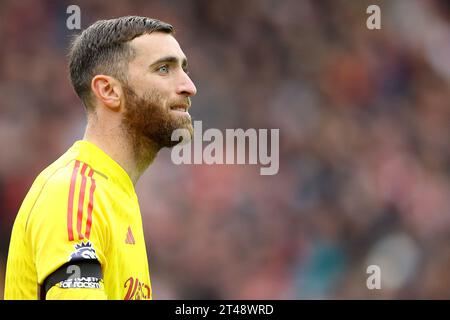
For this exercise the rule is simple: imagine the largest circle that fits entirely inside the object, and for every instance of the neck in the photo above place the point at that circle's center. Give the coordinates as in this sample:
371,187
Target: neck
133,155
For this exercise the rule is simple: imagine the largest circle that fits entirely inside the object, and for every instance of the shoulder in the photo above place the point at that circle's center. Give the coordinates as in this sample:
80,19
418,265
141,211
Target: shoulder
67,208
64,190
69,178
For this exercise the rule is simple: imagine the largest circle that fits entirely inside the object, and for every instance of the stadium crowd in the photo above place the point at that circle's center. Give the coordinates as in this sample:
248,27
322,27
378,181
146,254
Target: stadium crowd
364,121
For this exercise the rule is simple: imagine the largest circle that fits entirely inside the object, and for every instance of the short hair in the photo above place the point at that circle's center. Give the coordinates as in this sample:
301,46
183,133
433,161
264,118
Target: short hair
103,48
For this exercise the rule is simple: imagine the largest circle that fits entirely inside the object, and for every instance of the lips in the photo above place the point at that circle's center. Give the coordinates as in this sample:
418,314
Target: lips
179,108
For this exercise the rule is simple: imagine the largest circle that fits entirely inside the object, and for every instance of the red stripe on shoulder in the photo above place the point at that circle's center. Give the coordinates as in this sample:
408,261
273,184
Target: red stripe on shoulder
70,201
90,205
81,201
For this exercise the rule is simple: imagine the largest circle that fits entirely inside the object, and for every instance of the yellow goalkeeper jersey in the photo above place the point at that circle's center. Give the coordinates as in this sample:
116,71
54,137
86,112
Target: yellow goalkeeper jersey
83,207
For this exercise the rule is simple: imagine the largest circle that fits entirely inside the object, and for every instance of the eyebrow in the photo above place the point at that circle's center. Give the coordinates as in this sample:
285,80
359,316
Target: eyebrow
170,59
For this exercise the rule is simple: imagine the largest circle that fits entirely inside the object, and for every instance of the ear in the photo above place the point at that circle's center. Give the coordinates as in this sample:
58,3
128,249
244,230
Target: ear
108,90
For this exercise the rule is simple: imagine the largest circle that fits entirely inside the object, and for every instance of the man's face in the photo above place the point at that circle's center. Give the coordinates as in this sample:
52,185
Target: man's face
157,95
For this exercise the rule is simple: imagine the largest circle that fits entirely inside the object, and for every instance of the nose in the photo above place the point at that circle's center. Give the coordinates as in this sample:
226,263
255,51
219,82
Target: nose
186,86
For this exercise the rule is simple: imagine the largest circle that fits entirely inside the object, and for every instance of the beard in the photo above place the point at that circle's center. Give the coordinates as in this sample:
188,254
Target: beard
149,123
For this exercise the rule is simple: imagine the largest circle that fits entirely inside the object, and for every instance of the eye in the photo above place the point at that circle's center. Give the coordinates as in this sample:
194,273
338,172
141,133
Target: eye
164,68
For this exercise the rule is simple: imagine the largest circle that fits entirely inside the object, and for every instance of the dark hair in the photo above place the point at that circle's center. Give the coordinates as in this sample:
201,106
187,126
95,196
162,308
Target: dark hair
103,48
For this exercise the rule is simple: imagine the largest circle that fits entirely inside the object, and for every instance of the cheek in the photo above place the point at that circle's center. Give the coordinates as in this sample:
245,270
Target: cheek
140,81
139,87
157,87
150,84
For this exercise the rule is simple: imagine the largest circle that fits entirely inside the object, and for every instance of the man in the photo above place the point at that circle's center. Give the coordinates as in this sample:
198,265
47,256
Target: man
78,233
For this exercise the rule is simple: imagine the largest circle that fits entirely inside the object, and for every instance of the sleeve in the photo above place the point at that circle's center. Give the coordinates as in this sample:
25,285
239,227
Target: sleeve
67,225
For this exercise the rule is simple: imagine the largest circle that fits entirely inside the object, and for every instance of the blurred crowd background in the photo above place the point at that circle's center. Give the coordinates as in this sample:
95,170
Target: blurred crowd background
364,121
